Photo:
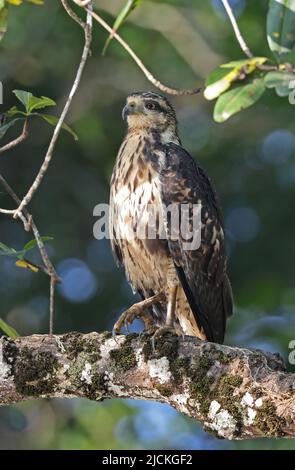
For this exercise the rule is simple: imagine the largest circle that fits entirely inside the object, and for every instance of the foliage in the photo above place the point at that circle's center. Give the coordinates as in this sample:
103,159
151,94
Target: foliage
31,103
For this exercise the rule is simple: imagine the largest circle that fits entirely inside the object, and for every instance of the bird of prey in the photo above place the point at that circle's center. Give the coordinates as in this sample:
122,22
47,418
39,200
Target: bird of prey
183,290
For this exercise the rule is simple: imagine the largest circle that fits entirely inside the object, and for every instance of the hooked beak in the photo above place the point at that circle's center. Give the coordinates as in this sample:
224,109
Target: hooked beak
129,108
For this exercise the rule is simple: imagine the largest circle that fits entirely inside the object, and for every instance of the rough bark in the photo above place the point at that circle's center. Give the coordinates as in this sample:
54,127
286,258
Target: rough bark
235,393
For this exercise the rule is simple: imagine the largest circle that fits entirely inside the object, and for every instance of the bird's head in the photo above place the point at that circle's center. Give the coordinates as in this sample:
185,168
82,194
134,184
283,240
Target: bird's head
149,111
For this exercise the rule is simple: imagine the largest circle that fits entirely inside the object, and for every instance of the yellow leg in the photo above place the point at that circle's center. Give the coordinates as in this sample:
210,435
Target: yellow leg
137,311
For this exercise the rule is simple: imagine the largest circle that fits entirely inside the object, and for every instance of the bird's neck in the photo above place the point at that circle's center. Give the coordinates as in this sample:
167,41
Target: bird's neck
162,136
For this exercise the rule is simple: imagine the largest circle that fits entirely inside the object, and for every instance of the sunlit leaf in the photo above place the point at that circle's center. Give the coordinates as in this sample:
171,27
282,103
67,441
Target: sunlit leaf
238,99
15,2
53,121
217,88
251,64
281,26
8,330
221,80
129,6
36,2
33,243
22,263
14,111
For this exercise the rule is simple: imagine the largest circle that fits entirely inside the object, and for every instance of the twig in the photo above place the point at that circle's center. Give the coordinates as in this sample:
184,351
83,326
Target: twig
236,29
49,269
30,225
72,14
51,304
44,167
18,140
137,60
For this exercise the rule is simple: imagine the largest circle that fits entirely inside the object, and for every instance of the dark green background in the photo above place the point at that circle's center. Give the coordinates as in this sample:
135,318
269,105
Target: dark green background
251,159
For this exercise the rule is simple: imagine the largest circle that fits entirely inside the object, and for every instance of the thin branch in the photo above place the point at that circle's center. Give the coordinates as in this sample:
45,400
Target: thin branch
49,154
48,268
236,29
137,60
18,140
72,14
51,303
236,393
30,225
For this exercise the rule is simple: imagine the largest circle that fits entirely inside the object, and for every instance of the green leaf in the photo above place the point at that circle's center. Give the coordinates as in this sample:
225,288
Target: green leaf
6,250
36,2
3,21
129,6
4,128
221,79
275,78
281,26
32,102
8,330
238,99
254,61
33,243
13,111
24,97
280,81
15,2
53,121
39,103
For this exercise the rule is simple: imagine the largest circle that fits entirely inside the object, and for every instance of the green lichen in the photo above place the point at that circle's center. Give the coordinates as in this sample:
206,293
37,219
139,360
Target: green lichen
268,421
165,346
227,383
35,372
123,358
222,357
201,382
76,343
164,390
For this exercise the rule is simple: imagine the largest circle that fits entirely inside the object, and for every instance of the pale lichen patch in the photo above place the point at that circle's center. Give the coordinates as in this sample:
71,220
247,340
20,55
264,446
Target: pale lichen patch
247,400
139,357
258,402
109,345
214,407
160,369
224,424
86,375
5,368
181,400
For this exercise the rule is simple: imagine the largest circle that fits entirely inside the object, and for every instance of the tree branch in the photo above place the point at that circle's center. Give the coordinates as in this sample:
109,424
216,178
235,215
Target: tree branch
29,225
18,140
236,29
235,393
137,60
49,154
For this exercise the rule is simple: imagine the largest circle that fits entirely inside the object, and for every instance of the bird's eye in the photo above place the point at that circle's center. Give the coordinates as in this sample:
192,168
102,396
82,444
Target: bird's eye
150,105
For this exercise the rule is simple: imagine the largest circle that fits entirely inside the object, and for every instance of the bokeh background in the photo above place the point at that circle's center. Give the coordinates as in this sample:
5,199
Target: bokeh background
251,159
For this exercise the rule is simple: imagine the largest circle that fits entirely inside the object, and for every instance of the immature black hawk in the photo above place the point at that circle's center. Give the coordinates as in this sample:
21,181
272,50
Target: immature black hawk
183,290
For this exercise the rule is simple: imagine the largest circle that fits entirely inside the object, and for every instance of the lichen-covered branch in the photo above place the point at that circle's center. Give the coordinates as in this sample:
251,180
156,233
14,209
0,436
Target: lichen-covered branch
235,393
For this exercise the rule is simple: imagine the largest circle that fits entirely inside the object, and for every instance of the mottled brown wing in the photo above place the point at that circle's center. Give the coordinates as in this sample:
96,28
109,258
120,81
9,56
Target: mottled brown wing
202,271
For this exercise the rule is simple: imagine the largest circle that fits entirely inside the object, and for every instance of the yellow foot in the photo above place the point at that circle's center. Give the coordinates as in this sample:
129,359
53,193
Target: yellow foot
129,316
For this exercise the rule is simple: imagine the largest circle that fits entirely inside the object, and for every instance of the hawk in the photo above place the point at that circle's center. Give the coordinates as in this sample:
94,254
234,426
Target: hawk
183,290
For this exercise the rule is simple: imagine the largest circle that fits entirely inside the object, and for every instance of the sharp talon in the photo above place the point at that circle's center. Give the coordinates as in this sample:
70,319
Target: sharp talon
126,325
114,333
